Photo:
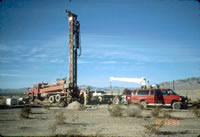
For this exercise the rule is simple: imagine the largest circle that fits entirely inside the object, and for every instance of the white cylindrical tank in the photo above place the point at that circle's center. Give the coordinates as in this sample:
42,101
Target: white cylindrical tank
11,101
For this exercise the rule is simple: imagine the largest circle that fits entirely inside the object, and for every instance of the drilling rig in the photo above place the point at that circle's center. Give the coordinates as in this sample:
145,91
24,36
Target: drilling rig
74,45
63,92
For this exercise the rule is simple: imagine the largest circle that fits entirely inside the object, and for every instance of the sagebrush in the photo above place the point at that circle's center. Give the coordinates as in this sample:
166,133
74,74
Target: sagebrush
152,129
134,110
25,112
116,110
196,108
60,118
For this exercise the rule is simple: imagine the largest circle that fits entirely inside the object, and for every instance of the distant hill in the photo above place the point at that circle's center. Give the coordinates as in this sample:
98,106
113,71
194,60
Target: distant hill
13,91
105,88
192,83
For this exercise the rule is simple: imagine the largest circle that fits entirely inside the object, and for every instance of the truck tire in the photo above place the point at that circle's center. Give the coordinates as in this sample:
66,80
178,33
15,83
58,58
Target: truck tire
51,99
176,105
144,104
58,98
30,97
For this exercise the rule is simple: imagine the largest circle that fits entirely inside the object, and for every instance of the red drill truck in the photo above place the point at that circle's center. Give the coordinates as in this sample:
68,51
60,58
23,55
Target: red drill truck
63,91
53,92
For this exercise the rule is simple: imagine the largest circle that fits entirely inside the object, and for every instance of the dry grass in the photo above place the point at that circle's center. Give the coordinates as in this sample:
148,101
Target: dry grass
25,112
134,110
60,118
82,107
116,110
152,129
46,107
75,132
53,127
159,113
196,108
156,112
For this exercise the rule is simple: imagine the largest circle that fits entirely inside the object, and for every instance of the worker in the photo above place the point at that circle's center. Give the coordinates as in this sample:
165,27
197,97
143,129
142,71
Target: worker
143,87
85,98
100,99
110,101
82,98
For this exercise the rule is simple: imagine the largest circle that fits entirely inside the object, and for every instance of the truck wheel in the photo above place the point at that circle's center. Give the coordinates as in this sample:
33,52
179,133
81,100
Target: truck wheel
144,104
58,98
51,99
176,105
30,98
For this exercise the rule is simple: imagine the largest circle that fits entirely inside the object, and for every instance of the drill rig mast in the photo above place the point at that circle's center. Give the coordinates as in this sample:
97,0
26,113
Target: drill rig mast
62,92
74,45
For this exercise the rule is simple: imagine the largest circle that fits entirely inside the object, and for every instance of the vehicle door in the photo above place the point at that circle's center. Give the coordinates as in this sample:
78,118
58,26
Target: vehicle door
128,95
158,97
166,96
142,94
173,95
151,96
134,96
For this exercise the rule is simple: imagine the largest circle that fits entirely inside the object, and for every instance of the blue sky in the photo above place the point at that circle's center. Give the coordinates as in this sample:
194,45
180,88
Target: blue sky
156,39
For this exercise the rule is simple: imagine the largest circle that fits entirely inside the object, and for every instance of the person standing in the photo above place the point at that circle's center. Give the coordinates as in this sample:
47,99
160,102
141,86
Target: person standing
85,98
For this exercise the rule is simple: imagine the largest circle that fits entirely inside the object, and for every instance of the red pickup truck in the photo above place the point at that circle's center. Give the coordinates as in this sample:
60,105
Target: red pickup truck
147,97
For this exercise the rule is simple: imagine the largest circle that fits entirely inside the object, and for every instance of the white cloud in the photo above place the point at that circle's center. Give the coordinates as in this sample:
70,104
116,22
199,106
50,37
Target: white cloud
56,61
10,75
40,56
108,62
84,62
35,50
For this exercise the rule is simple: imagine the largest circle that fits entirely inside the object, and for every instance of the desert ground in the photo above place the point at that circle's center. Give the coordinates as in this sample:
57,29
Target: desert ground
96,120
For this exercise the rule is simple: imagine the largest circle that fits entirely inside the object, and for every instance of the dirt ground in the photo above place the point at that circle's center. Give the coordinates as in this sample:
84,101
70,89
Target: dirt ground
95,121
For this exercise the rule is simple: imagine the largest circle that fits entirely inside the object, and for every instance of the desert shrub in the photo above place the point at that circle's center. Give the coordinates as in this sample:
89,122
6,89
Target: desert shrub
60,118
4,102
196,108
197,112
53,128
24,127
24,113
156,112
134,110
151,129
46,107
115,110
82,107
75,132
165,114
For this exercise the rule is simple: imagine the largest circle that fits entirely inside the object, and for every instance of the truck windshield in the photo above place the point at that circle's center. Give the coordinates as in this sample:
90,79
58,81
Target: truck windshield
171,91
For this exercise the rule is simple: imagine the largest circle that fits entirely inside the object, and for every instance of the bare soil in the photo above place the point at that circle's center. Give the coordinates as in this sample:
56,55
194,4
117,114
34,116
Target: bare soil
95,121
